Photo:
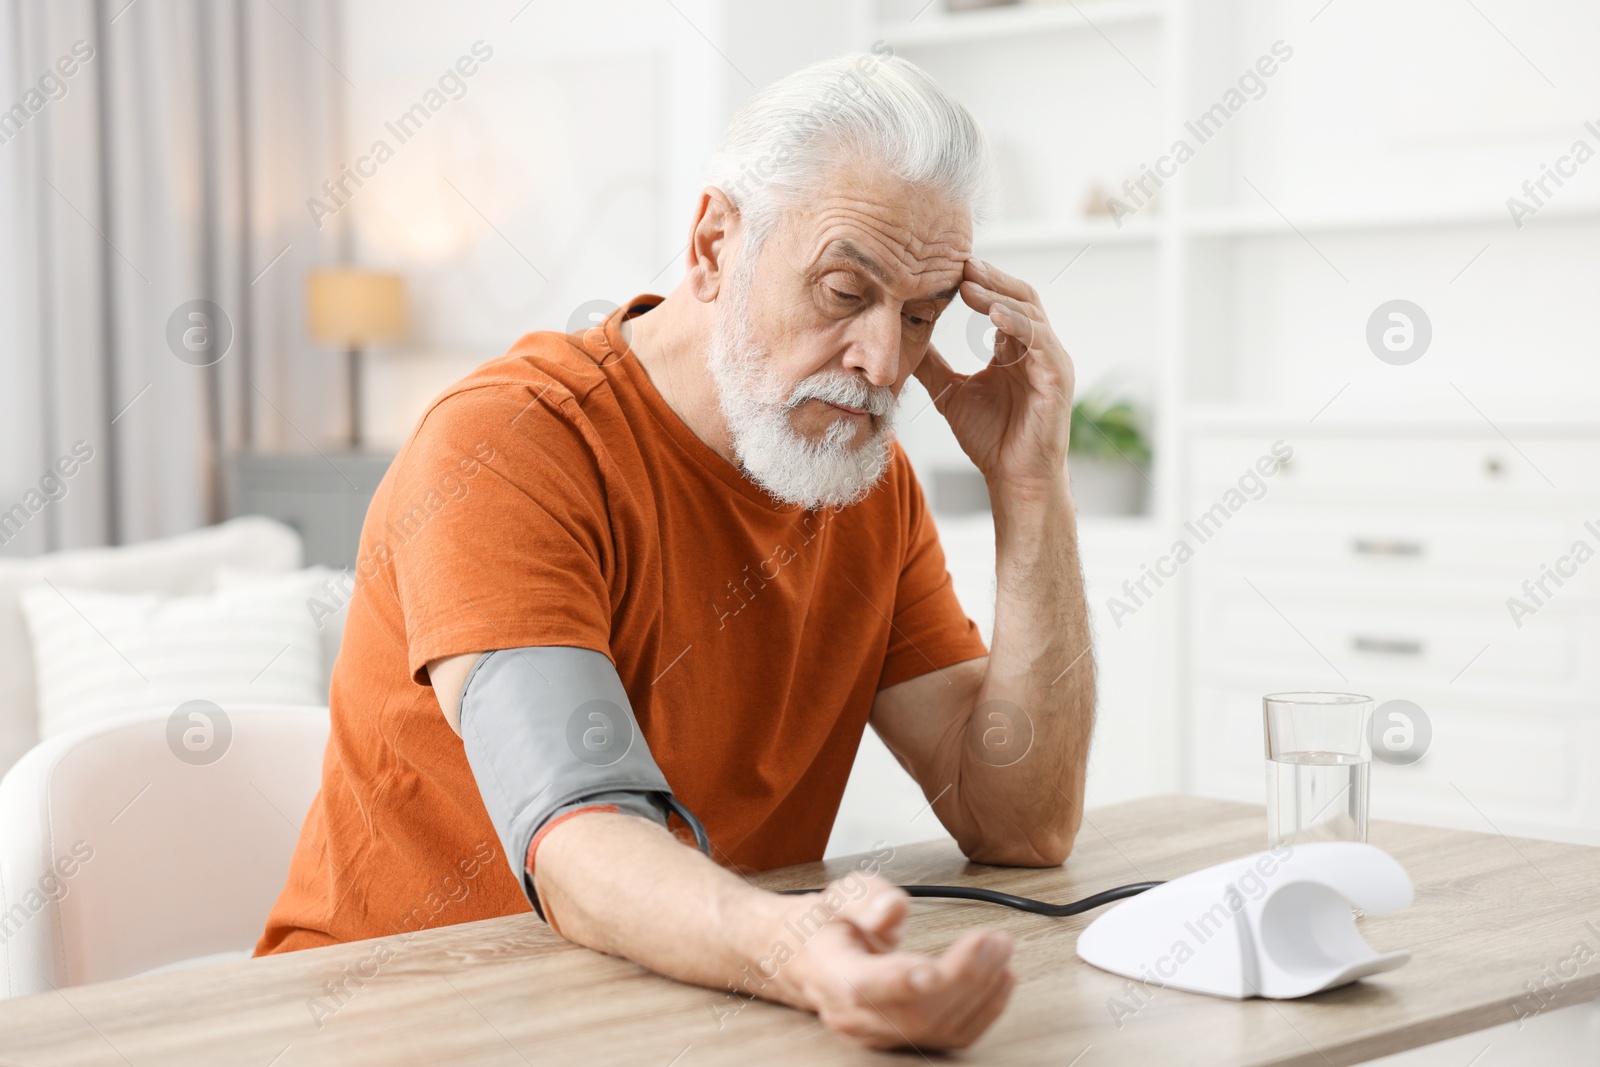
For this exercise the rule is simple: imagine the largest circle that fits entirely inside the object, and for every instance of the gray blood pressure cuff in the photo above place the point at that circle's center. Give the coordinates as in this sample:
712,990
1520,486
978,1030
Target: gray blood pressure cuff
549,730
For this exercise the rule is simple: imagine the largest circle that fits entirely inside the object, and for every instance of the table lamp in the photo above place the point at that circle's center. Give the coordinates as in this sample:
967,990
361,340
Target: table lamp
351,309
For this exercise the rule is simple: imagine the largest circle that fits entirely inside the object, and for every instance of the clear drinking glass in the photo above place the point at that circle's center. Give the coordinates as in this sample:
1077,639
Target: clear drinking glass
1319,759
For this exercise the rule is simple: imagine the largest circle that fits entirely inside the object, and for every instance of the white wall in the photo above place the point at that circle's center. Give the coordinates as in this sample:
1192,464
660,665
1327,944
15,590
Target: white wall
563,175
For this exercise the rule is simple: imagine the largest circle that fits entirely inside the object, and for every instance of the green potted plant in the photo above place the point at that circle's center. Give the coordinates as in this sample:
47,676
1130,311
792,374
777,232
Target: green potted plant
1108,457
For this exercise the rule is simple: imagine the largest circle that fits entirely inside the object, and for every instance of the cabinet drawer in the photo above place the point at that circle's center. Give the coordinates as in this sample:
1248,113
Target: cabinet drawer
1370,635
1492,551
1461,467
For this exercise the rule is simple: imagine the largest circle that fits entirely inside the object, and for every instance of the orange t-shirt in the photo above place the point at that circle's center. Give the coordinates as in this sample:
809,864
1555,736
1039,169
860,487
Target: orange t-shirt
552,497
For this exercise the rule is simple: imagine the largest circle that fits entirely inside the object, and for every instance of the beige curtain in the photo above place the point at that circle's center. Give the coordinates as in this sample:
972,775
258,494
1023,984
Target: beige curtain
153,155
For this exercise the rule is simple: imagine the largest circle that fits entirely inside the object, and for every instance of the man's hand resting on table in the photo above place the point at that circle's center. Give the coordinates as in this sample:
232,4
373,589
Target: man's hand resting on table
854,976
697,922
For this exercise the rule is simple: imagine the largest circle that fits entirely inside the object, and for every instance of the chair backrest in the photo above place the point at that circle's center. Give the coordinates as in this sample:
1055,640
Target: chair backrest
150,839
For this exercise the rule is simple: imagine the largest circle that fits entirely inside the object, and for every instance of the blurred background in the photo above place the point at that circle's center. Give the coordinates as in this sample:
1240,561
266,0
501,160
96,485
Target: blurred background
1328,270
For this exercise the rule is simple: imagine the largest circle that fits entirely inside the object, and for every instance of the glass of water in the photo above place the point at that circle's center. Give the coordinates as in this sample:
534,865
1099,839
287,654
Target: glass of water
1319,758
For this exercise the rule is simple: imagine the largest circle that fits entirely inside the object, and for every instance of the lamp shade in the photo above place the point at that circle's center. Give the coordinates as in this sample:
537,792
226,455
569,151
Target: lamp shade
355,308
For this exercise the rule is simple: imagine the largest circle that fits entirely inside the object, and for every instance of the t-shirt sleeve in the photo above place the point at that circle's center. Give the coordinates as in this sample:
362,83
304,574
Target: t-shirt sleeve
930,630
497,527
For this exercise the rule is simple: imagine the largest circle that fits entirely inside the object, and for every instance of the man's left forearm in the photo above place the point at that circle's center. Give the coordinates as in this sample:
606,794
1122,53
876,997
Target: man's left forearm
1012,739
1027,738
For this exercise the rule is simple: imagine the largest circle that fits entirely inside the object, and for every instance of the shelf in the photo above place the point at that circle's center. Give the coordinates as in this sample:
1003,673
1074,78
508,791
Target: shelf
1016,20
1224,418
1051,235
1251,222
1120,527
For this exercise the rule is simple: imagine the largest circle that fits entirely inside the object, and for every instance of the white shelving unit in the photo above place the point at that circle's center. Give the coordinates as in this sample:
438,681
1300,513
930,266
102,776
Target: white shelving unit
936,27
1235,306
1230,222
1055,236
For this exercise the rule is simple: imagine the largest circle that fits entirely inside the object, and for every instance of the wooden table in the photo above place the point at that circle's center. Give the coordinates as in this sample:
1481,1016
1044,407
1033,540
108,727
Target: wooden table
1491,913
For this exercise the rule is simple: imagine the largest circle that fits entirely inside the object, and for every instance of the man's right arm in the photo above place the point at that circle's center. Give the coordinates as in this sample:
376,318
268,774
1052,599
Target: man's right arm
695,921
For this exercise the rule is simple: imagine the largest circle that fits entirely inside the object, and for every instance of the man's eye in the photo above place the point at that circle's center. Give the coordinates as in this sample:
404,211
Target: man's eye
843,295
917,321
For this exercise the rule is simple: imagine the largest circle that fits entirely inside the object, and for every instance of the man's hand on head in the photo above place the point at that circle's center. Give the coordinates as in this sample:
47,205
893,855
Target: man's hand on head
1013,418
1019,802
853,974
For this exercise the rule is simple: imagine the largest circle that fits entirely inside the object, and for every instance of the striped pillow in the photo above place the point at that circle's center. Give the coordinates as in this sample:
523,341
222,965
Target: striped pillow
98,654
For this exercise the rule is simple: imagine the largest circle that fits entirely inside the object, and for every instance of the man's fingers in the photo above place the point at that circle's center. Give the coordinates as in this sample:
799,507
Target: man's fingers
1032,337
947,1002
975,956
904,998
965,967
894,979
993,278
967,1028
986,287
1023,323
1020,331
982,298
878,914
982,1003
978,990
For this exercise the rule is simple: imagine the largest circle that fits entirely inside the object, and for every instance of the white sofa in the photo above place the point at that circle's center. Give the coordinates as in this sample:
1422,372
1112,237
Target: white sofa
182,565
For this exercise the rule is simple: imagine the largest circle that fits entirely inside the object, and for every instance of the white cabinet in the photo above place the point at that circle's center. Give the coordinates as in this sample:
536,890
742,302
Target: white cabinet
1235,304
1387,563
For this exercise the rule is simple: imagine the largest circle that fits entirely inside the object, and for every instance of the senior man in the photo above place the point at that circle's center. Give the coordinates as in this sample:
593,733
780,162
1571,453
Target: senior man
644,585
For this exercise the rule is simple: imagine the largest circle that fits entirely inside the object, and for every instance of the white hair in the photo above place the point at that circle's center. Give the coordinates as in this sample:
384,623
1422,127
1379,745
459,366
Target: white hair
873,108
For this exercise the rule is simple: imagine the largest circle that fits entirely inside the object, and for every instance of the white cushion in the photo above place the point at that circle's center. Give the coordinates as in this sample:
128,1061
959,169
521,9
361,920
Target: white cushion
99,654
327,600
182,564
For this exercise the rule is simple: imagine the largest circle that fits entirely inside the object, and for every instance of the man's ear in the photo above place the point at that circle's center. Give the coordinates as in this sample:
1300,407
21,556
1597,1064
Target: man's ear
713,240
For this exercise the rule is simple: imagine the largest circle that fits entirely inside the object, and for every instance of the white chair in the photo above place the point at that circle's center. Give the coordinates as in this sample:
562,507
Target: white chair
123,852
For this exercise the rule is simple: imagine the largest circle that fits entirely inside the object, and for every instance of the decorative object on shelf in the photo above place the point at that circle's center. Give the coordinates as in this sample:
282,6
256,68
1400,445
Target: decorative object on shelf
1108,456
1140,191
1097,202
353,309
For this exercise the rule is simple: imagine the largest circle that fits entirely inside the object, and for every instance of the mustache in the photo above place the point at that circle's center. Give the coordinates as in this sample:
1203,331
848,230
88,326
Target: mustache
833,388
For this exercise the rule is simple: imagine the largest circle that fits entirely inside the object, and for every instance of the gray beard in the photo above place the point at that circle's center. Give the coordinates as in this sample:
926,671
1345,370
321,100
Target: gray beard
825,473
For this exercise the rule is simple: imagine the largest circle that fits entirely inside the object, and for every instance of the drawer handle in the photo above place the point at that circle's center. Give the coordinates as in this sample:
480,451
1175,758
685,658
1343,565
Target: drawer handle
1388,646
1368,547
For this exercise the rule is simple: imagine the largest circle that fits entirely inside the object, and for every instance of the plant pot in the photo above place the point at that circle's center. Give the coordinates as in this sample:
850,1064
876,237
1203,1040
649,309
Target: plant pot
1106,487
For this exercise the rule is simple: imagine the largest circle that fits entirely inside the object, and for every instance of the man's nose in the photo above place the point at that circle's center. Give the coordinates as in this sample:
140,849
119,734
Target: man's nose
875,348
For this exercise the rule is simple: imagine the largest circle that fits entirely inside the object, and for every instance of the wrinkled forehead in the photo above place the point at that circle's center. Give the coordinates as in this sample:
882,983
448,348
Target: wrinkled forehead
911,240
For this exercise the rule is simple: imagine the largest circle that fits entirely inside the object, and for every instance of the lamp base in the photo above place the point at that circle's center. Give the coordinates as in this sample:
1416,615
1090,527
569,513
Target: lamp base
353,365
